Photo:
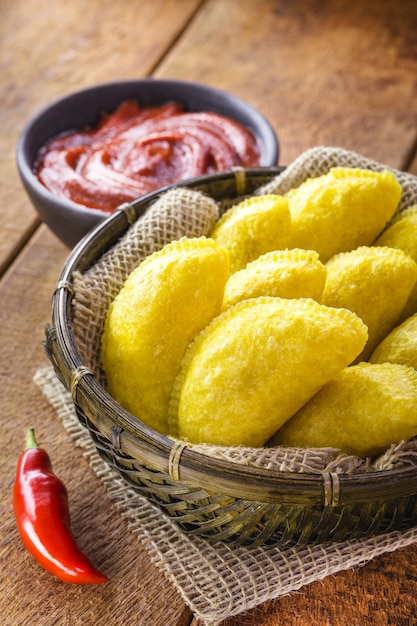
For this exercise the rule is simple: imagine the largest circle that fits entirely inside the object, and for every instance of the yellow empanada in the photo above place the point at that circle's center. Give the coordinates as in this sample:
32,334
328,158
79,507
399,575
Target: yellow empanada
252,227
341,210
291,273
375,283
401,232
410,307
256,364
168,299
362,411
400,346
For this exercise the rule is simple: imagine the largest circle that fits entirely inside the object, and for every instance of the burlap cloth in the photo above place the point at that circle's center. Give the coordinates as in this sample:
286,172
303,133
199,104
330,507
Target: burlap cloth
218,580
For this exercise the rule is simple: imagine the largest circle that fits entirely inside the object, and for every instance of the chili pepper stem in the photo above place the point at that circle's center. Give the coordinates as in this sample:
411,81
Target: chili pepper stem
31,439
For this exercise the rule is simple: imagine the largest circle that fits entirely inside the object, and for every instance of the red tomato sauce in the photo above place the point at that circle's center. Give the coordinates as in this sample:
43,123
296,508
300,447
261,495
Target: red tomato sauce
137,149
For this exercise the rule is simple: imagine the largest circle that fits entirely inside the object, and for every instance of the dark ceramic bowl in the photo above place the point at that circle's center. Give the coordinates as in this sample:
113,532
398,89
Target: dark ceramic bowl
70,221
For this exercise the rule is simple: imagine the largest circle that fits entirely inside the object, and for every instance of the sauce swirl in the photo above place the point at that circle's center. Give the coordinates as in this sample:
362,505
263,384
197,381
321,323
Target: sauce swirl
137,149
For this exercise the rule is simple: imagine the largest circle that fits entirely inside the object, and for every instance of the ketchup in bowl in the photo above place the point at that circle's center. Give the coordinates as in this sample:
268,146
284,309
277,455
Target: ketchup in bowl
135,150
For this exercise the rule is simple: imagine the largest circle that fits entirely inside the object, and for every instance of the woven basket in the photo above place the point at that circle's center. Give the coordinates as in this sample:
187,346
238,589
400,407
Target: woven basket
208,495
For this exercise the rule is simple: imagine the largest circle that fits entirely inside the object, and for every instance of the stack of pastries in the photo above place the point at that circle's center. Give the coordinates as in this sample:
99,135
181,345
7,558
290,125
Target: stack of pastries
293,323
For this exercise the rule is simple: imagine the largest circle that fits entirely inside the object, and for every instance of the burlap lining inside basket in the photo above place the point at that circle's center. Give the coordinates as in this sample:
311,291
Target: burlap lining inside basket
184,212
217,580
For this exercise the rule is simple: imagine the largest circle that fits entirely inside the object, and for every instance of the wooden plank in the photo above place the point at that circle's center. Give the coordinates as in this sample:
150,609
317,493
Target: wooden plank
413,166
137,592
49,49
324,73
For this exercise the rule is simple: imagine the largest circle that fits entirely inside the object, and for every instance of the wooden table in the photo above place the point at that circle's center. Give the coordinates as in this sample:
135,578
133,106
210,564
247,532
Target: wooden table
336,72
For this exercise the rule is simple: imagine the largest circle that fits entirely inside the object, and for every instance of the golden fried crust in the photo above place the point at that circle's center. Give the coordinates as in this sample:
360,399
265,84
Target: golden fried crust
282,273
341,210
375,283
410,307
401,232
258,363
252,227
347,412
168,299
400,346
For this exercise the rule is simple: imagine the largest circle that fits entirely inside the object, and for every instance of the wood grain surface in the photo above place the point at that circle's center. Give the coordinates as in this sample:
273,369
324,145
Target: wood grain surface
327,72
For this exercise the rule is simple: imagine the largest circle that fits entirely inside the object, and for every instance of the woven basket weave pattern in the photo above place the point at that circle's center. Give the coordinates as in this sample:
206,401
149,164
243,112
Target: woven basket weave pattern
247,496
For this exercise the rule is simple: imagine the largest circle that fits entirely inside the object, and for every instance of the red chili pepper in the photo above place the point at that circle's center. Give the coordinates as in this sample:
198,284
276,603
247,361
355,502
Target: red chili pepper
40,501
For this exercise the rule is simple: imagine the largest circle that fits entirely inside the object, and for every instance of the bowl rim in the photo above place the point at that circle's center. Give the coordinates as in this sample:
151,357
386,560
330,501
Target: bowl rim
268,137
193,467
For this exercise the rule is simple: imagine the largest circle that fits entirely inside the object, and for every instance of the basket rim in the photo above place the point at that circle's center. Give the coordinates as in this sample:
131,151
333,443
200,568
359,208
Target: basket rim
182,463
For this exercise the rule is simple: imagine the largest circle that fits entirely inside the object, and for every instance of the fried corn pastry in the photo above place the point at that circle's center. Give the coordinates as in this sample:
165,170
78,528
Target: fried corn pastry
362,411
252,227
375,283
411,306
401,232
342,210
400,346
291,273
256,364
168,299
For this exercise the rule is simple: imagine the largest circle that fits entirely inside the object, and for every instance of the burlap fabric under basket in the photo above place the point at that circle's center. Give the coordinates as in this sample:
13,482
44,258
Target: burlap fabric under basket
268,570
